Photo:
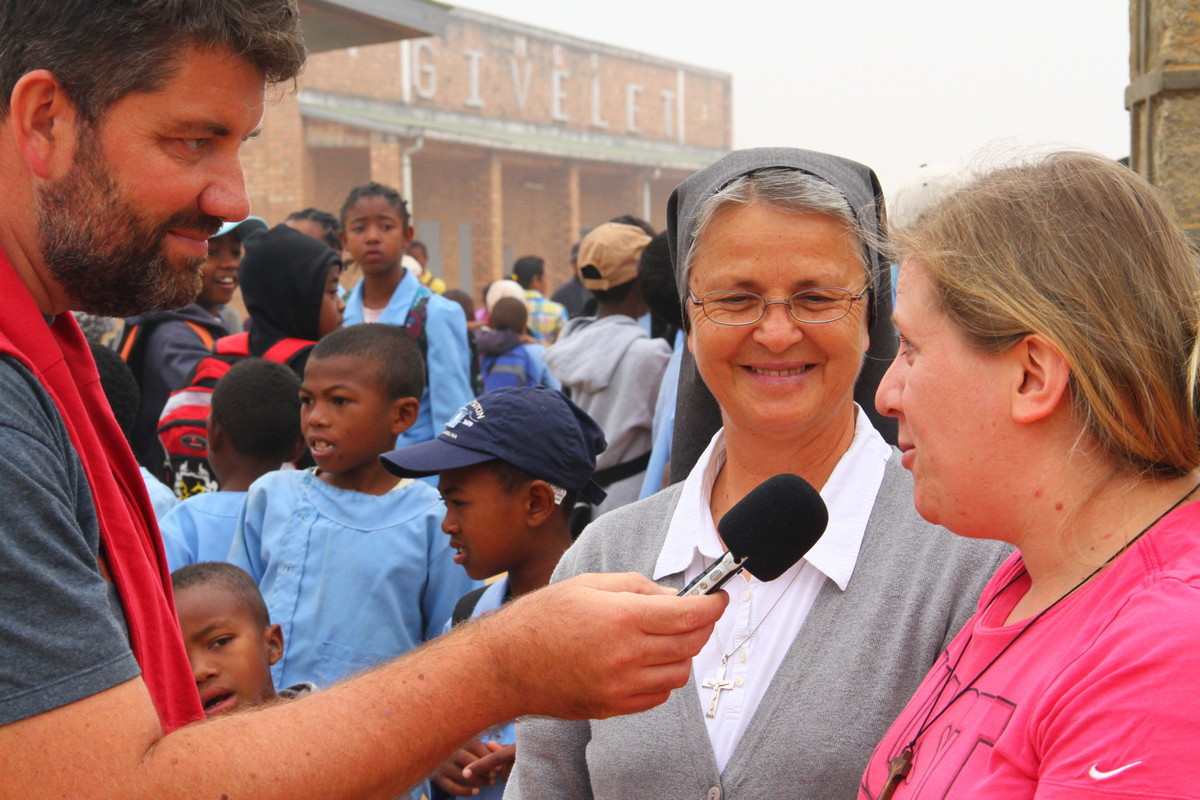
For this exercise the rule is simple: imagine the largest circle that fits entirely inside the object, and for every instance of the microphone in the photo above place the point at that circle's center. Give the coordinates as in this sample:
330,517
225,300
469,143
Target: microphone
766,532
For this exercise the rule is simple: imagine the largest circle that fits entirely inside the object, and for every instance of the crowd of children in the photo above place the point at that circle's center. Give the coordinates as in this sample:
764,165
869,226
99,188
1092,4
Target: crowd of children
345,488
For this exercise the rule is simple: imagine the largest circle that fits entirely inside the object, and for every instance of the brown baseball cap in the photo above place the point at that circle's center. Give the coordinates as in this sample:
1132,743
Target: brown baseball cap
608,256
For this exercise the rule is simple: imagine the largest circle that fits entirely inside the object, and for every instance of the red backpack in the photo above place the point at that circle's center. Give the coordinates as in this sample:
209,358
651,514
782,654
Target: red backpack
183,425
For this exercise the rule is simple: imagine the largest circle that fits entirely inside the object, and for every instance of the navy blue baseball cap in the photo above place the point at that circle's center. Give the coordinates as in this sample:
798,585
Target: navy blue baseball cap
535,429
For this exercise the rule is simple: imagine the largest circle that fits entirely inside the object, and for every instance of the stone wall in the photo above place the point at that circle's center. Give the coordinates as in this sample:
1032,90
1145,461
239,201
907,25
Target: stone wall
1164,100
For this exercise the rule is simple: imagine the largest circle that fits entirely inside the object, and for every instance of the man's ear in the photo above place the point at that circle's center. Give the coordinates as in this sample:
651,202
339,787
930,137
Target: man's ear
1041,378
539,503
44,123
404,414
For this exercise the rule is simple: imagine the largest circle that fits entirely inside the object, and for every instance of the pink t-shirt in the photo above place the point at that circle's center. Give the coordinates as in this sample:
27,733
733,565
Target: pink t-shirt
1099,698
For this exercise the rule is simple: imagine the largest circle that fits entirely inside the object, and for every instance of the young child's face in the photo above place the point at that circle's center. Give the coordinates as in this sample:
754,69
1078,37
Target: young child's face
220,271
230,651
332,305
487,525
347,419
376,234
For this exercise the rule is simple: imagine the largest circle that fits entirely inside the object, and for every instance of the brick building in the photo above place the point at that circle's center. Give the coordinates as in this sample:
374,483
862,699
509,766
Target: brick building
508,139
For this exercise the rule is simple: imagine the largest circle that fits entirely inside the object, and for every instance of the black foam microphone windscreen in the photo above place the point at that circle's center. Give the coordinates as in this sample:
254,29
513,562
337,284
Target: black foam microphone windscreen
775,525
766,532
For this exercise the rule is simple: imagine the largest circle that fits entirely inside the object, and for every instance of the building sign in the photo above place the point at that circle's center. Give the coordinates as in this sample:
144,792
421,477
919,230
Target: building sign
504,70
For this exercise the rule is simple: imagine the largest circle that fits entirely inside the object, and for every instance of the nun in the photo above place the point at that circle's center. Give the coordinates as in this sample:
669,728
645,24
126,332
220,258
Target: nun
783,289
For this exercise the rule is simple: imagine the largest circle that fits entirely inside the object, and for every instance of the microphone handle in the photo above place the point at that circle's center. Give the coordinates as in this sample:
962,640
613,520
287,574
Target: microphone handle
715,576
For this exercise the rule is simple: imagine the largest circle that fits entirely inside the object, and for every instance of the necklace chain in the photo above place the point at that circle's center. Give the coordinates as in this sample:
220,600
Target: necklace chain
718,684
930,720
721,648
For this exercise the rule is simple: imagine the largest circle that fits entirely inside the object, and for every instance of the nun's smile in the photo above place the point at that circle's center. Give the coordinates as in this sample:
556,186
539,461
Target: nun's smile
778,375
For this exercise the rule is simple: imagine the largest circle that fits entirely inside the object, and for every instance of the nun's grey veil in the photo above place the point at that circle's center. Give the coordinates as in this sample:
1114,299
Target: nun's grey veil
697,416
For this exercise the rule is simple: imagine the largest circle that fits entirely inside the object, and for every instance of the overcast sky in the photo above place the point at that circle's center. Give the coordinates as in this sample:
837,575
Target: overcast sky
891,83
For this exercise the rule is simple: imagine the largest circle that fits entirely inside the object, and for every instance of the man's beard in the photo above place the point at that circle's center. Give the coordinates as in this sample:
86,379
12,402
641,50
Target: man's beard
108,258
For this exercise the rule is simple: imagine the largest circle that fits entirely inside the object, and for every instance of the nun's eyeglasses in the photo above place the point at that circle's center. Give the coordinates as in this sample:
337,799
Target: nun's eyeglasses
813,306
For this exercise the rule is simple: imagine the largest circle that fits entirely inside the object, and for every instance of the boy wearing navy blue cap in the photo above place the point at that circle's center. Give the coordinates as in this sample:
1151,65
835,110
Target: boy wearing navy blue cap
508,500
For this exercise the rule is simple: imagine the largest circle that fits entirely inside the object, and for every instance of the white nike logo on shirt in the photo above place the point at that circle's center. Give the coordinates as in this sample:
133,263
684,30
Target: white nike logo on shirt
1096,774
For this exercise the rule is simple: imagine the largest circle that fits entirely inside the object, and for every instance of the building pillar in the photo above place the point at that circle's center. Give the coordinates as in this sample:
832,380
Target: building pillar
560,262
492,250
278,168
386,161
632,194
1163,99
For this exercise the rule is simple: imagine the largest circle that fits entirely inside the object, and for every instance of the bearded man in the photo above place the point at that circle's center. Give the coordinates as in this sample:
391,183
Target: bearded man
120,128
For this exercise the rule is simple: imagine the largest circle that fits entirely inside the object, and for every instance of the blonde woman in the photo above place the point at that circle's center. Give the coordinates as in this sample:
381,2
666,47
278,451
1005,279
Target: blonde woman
1046,394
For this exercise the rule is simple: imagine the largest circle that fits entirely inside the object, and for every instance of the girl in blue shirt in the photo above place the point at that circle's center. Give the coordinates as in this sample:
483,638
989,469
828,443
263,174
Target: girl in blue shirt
377,231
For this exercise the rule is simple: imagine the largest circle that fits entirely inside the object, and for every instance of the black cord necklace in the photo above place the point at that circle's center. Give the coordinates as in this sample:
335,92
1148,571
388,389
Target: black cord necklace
901,765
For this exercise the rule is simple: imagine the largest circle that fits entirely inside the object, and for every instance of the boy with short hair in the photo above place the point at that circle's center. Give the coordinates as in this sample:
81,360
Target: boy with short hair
546,317
253,428
508,501
350,559
229,638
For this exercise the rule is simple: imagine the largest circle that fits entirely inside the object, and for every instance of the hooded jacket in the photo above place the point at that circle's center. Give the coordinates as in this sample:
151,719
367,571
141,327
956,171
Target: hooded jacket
283,276
613,369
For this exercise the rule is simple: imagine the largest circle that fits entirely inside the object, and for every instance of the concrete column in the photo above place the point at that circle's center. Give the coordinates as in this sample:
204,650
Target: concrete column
633,195
557,262
1163,99
277,167
493,249
386,161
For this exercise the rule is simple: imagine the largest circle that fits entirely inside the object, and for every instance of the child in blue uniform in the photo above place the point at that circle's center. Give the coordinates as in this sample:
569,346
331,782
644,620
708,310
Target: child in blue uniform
230,640
253,428
349,558
508,500
506,358
377,232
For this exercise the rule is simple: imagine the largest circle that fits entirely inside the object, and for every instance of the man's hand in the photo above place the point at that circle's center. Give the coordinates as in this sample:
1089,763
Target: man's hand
596,646
593,646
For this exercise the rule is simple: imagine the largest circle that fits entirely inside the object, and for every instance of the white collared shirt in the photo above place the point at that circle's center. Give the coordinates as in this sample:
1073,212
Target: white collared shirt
782,605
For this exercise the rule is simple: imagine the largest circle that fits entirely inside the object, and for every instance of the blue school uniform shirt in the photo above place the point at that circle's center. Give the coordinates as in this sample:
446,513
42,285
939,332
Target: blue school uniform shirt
447,363
542,375
201,528
161,496
353,579
506,733
663,427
